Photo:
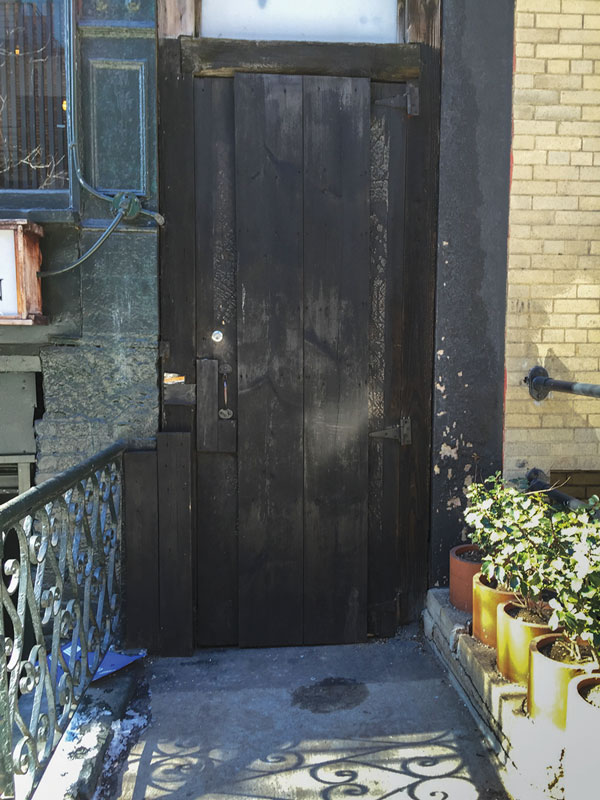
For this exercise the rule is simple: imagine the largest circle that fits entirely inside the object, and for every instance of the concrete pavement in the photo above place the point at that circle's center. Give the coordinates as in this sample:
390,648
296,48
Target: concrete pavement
373,720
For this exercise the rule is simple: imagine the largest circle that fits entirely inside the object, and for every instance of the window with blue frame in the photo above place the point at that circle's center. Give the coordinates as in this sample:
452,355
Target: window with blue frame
33,96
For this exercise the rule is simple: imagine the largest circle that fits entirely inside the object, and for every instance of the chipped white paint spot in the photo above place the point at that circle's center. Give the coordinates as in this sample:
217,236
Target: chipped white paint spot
449,452
441,413
445,244
468,467
436,470
440,387
459,374
453,502
449,474
440,353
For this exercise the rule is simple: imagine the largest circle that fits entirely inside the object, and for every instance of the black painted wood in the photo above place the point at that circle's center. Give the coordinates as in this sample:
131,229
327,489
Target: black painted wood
414,360
268,114
207,404
216,303
177,236
217,560
224,57
336,291
388,165
141,550
174,469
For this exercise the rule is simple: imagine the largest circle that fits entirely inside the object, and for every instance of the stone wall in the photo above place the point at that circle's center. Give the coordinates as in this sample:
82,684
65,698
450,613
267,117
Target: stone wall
98,350
554,249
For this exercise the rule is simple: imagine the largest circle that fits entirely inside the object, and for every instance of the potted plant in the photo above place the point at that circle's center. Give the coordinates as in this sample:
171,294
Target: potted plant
488,515
528,541
582,737
575,570
465,562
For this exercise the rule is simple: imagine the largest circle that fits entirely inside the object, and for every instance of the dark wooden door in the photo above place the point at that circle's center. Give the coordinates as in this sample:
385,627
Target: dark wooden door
300,191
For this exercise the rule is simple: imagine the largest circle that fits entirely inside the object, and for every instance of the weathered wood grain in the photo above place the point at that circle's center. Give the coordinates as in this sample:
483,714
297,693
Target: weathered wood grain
422,22
174,470
217,559
207,404
216,304
414,361
225,57
175,18
177,236
388,157
268,113
336,291
141,550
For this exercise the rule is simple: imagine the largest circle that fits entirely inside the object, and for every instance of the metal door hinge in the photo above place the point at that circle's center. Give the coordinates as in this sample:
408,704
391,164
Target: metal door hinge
401,433
397,101
412,100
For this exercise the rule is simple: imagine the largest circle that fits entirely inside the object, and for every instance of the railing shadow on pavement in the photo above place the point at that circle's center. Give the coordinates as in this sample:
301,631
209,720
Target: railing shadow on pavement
415,766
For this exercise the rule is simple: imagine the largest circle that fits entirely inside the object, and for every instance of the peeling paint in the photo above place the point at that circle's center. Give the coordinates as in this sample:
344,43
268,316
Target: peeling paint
440,387
453,502
449,474
449,452
436,469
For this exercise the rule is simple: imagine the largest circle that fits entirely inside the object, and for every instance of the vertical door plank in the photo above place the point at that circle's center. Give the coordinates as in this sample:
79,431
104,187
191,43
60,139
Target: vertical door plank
177,238
268,114
175,542
216,303
216,254
207,404
388,156
414,360
141,550
336,287
217,590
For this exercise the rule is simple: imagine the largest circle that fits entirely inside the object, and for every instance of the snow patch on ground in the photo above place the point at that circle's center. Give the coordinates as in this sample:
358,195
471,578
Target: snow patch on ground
125,734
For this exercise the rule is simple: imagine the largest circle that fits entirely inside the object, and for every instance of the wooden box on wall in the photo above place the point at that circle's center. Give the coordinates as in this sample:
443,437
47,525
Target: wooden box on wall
20,261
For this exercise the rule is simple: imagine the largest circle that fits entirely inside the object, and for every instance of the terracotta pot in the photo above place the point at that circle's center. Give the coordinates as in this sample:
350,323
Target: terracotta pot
582,737
548,683
461,577
513,637
485,602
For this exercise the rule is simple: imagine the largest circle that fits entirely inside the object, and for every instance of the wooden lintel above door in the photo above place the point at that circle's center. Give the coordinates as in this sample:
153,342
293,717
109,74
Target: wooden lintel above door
224,57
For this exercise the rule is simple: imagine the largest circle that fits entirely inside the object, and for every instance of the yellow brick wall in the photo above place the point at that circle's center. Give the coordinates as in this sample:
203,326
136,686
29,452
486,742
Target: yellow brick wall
553,308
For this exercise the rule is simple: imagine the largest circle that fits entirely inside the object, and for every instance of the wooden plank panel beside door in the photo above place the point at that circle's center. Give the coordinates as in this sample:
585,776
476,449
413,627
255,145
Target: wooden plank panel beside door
268,123
216,304
388,157
336,296
141,549
174,469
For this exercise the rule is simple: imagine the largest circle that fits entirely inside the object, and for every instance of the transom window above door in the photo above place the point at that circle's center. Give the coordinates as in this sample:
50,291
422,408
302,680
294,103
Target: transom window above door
308,20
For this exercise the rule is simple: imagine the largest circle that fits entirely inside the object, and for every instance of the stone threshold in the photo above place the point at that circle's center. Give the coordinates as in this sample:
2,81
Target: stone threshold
529,752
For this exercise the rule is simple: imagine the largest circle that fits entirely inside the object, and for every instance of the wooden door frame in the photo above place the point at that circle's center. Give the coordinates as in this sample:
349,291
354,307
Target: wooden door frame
185,58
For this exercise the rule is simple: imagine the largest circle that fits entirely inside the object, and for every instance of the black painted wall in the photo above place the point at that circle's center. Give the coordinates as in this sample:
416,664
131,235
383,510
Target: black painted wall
477,56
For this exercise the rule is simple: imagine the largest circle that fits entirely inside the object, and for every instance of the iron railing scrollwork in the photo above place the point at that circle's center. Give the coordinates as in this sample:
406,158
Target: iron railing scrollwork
60,598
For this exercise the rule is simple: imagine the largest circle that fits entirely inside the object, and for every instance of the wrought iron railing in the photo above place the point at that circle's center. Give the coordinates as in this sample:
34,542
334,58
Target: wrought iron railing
60,590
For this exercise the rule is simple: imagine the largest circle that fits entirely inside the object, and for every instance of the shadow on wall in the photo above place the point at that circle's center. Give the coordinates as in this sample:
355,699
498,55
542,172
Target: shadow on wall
554,433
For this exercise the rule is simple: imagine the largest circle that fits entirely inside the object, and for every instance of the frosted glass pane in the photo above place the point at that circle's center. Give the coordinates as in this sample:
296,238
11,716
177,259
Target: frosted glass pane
308,20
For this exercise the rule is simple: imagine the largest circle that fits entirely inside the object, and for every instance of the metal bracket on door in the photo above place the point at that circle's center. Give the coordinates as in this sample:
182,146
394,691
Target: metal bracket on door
401,433
409,100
